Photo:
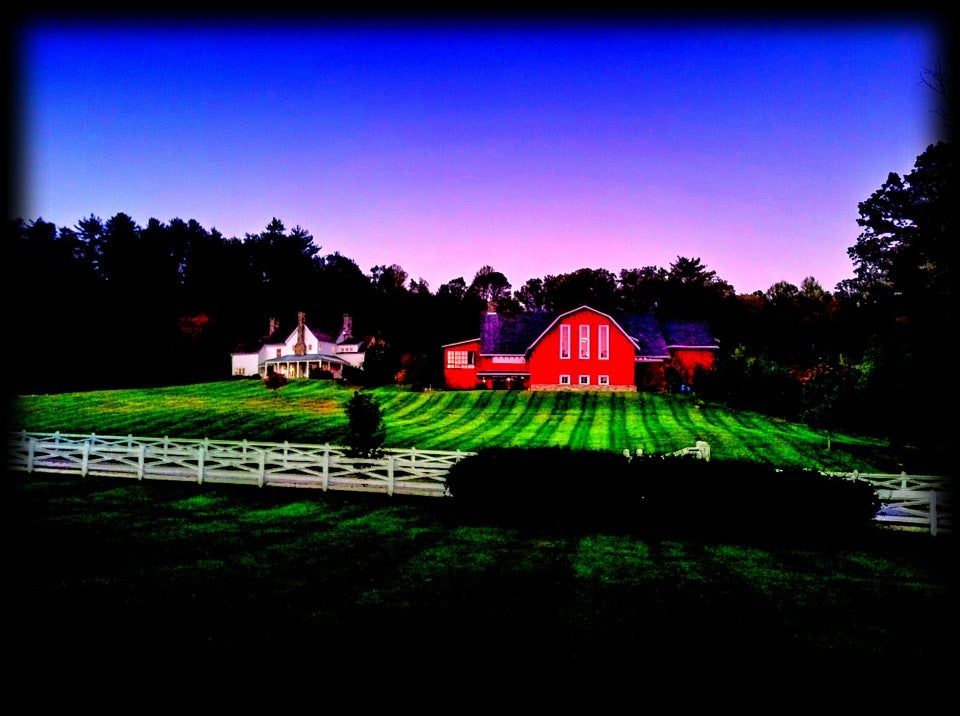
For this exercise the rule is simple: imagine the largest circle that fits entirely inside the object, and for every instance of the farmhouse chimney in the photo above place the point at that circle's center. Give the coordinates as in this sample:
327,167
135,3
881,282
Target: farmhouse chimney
274,326
300,347
347,330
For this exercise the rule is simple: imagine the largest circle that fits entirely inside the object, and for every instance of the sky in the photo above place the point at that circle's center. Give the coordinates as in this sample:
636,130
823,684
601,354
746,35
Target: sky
536,147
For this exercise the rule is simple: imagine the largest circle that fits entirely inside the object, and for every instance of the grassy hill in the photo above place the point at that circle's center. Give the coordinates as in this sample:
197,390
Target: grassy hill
314,412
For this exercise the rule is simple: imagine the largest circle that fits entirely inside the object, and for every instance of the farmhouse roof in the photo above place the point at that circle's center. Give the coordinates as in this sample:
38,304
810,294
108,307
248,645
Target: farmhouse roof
309,357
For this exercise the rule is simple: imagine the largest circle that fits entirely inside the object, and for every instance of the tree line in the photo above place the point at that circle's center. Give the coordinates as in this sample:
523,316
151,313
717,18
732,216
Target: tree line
109,304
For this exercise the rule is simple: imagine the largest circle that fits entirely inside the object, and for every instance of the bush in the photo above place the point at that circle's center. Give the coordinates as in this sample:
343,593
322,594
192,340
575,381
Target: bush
366,433
274,380
542,487
659,496
740,499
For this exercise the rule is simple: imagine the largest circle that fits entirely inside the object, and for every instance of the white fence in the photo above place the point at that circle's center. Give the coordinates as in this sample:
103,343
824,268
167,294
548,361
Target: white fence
911,502
326,467
908,502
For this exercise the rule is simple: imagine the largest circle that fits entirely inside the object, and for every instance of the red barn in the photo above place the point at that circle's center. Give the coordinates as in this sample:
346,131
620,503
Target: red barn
580,349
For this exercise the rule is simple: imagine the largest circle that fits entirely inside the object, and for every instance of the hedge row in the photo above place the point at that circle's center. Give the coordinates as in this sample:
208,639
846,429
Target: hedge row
563,488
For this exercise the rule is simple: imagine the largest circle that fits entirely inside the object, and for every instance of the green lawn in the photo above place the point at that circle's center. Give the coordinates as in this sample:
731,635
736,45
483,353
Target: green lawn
232,596
253,591
314,412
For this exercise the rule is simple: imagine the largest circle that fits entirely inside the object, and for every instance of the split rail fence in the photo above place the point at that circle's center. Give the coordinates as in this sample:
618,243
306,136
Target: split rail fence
908,502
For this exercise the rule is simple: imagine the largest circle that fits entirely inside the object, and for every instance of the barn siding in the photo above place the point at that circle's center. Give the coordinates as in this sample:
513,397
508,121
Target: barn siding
546,365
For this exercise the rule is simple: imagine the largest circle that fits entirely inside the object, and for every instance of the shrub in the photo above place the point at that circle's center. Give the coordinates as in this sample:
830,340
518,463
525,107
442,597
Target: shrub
732,498
542,487
365,433
274,380
659,496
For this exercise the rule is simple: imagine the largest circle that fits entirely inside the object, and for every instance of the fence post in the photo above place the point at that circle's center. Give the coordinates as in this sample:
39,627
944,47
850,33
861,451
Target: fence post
326,466
200,456
933,513
704,448
140,459
903,480
390,461
31,451
85,460
262,467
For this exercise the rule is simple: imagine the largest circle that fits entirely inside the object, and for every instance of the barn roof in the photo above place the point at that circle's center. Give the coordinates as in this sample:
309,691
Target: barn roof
515,335
688,334
511,336
646,333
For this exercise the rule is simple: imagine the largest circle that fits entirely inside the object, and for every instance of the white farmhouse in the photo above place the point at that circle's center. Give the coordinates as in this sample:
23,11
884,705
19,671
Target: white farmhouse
302,353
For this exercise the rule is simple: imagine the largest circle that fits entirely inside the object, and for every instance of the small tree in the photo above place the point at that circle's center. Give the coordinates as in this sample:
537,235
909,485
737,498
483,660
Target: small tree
826,390
366,432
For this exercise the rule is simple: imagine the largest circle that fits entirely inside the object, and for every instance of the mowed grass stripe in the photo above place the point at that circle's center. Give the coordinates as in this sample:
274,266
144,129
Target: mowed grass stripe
754,444
503,420
531,422
657,437
445,433
460,438
581,437
617,433
556,405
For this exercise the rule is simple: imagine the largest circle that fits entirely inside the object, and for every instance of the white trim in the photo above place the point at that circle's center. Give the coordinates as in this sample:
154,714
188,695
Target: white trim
460,343
565,379
584,380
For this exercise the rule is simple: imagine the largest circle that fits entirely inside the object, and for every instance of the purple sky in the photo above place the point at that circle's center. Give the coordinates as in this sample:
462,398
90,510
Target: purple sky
536,148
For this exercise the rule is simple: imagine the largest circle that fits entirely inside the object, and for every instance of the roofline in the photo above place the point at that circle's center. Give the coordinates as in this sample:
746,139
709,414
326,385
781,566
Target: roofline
460,343
576,310
501,373
693,347
306,358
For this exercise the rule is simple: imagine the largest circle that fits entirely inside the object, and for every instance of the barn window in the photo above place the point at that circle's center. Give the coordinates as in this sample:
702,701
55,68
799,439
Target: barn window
603,342
564,379
565,341
584,342
603,380
584,380
461,359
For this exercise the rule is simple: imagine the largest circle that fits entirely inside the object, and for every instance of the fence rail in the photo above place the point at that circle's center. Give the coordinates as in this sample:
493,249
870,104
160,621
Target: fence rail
908,502
911,502
326,467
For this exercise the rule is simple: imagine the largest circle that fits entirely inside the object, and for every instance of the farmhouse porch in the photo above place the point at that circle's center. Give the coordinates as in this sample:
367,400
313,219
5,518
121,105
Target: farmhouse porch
306,366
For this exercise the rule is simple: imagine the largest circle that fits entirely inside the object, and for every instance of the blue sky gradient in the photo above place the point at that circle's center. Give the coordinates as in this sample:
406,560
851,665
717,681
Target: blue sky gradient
537,148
